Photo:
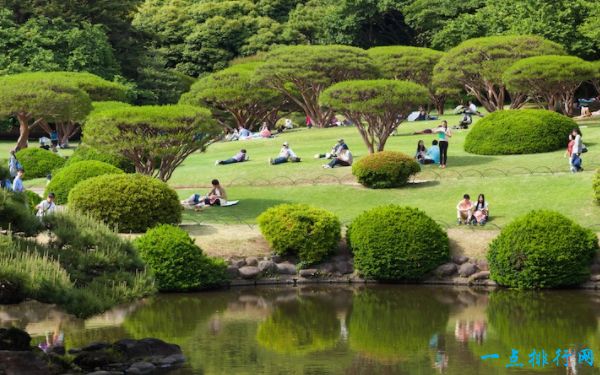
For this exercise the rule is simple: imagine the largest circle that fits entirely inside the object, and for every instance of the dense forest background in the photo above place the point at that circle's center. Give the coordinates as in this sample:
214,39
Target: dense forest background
158,47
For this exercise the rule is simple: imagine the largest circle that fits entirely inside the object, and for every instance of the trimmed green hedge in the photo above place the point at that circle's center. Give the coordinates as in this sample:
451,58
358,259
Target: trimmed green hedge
15,213
66,178
84,152
129,202
393,243
523,131
542,249
33,199
386,169
177,262
38,162
308,232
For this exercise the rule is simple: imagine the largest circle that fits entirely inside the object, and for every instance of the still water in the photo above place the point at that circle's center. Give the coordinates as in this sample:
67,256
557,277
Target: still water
414,330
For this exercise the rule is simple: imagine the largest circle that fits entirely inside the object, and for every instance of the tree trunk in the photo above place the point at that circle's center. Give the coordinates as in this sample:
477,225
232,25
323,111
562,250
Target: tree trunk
439,101
23,130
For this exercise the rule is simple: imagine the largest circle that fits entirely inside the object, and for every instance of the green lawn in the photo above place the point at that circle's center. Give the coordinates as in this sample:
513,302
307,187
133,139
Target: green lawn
513,184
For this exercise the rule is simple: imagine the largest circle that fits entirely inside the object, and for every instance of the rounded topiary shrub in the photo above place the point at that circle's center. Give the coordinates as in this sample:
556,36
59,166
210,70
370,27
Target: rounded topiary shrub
393,243
38,162
542,249
33,199
177,263
308,232
84,152
386,169
523,131
69,176
129,202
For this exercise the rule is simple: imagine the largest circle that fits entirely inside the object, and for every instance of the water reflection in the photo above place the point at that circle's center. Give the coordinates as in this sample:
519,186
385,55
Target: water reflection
344,330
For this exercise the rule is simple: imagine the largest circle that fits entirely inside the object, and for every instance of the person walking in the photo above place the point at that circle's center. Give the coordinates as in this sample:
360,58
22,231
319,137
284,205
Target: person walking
444,134
576,151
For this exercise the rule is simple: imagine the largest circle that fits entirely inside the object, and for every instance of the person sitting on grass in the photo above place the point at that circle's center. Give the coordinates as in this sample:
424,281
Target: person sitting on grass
465,121
244,133
215,197
46,207
285,154
335,150
343,159
237,158
17,185
421,152
464,210
480,210
433,154
472,109
264,131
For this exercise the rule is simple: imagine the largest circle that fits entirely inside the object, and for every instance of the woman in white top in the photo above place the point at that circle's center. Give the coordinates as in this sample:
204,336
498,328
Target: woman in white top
576,151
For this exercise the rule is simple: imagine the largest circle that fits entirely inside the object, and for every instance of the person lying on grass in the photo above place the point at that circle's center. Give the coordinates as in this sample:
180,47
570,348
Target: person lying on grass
335,150
285,154
237,158
343,159
215,197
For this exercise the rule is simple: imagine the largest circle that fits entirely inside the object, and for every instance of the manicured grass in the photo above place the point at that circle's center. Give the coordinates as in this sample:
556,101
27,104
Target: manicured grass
513,184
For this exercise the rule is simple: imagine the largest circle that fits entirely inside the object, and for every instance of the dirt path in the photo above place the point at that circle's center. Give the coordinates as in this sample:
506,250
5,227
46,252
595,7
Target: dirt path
228,240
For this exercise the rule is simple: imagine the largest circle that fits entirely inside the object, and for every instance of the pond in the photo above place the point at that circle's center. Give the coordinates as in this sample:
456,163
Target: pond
348,329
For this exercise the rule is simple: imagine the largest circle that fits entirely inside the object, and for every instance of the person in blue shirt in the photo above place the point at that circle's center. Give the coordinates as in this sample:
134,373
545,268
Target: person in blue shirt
17,185
238,158
433,153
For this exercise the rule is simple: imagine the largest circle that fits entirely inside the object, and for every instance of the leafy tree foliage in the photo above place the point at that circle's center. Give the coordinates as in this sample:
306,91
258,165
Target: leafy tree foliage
40,98
556,20
202,36
376,107
236,92
302,73
410,64
477,66
551,81
43,44
112,16
155,138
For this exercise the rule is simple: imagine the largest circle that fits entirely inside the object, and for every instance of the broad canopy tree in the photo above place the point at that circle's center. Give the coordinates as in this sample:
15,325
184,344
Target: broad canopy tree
376,107
551,81
39,98
66,111
410,64
156,139
477,66
302,73
236,92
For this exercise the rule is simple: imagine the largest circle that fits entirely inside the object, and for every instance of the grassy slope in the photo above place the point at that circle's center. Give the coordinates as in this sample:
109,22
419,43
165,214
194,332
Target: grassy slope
510,187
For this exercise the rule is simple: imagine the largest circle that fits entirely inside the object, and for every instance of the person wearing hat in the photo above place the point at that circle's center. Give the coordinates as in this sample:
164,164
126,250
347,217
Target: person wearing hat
335,150
285,154
46,206
343,159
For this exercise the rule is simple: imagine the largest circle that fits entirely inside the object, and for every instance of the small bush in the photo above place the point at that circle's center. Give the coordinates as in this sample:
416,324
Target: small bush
524,131
596,185
177,263
32,199
386,169
393,243
69,176
38,162
126,201
16,215
542,249
309,232
84,152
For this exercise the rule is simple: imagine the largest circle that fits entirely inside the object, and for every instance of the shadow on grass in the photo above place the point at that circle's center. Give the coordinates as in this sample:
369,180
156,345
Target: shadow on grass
469,160
422,184
244,212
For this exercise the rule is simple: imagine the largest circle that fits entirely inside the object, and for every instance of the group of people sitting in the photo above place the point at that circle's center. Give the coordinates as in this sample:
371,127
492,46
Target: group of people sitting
429,155
340,155
241,133
472,213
